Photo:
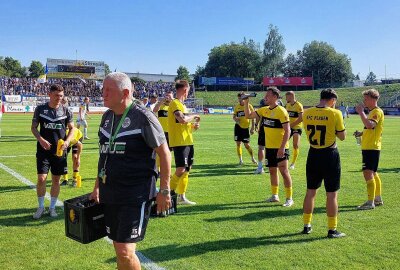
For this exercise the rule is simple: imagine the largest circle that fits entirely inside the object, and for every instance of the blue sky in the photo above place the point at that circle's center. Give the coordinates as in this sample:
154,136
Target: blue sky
158,36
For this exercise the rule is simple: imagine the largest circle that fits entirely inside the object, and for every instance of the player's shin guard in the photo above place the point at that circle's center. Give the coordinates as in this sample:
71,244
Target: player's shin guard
174,181
275,190
75,174
295,155
183,183
371,189
65,177
288,192
239,151
307,218
378,185
332,223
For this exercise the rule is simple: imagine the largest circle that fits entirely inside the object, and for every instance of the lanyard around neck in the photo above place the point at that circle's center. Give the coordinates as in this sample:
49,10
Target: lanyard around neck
112,137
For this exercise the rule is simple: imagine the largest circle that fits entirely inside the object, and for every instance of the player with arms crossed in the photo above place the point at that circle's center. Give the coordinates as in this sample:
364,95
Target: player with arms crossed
371,142
323,124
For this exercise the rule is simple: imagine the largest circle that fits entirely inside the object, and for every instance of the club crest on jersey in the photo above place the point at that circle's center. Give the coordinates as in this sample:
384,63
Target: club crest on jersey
60,113
126,122
106,123
45,111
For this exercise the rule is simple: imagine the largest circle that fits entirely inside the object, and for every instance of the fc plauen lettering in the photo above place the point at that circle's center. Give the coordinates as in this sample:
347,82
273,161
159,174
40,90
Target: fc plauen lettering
116,148
53,126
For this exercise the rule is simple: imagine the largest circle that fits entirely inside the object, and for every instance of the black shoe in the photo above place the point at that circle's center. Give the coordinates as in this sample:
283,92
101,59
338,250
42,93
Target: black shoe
64,183
307,230
335,234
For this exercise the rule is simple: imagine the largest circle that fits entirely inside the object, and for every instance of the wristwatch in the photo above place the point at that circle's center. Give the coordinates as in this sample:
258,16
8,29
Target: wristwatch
164,191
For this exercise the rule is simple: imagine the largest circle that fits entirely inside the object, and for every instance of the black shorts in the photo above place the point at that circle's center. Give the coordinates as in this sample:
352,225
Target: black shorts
323,164
241,134
46,162
167,137
126,223
270,157
261,137
74,147
184,156
370,160
295,130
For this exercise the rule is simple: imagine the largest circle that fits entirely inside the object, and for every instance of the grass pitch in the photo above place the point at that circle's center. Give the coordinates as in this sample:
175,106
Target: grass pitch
230,227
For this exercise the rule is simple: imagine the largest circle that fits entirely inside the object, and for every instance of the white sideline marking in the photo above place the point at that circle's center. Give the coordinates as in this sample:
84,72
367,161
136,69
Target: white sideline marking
146,262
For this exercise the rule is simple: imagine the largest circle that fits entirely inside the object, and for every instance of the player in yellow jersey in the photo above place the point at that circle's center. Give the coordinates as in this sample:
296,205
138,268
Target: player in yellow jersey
322,125
371,147
76,146
161,110
295,111
277,132
241,132
180,128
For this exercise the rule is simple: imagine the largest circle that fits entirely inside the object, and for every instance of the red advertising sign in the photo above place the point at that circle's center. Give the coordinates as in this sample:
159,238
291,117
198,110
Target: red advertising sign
289,81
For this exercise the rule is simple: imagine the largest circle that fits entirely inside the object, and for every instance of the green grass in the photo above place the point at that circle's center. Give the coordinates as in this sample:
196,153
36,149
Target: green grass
350,96
230,227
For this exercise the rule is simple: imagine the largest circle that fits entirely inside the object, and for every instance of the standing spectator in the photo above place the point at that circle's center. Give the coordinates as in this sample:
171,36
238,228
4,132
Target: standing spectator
53,119
83,112
128,136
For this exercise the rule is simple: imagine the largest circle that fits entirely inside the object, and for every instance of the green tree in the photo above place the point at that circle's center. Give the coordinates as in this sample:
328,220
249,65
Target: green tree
327,66
232,60
200,72
137,80
13,68
273,52
35,69
183,74
371,78
293,65
107,69
3,71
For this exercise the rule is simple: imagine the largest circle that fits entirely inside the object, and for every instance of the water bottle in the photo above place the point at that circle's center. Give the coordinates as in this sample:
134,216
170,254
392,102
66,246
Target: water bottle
60,152
246,96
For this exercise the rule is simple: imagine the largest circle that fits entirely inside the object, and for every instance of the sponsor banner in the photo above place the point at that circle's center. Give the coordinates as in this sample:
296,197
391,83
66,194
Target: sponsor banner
64,68
220,110
225,81
9,108
288,81
13,98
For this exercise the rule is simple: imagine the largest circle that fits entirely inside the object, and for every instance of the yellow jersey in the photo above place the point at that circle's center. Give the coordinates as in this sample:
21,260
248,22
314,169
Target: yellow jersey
273,120
321,125
239,113
294,111
162,115
372,138
77,136
179,134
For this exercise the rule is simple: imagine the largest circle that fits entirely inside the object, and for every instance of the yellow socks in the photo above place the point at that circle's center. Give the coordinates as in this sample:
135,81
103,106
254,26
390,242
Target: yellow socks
174,181
307,218
371,189
275,190
239,152
378,185
288,192
332,223
65,176
183,183
295,155
75,174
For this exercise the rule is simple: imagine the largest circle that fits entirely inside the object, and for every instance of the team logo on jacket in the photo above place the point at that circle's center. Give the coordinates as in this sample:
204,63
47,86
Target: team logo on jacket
126,122
60,113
